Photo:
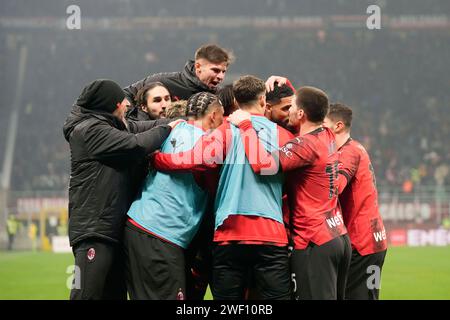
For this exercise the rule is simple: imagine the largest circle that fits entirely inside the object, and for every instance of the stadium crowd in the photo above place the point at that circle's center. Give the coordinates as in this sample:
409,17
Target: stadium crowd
400,103
292,229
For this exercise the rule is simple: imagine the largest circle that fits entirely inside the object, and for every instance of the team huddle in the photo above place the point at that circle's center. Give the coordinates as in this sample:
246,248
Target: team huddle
255,188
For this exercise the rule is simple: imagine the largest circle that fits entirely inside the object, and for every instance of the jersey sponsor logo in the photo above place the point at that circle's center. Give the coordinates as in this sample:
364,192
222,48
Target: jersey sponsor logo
286,149
91,254
175,144
259,131
380,235
378,230
335,221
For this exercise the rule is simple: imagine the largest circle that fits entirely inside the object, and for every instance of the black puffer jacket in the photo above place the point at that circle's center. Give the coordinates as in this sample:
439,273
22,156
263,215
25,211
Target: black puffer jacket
103,153
181,85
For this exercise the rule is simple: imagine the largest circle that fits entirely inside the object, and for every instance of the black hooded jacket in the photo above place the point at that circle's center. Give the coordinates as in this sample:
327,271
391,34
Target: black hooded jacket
103,154
181,85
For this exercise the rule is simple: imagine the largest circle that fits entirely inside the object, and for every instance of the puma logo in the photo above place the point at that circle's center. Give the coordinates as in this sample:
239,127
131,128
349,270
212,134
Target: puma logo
174,142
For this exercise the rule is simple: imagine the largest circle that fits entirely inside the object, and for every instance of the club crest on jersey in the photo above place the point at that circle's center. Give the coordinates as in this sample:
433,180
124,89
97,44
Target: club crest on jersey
180,294
91,254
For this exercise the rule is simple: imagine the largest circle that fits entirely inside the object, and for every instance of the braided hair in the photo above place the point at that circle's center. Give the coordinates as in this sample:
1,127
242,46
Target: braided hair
199,103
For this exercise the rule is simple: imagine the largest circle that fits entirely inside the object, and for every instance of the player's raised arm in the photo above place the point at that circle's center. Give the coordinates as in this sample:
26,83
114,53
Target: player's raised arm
207,153
194,159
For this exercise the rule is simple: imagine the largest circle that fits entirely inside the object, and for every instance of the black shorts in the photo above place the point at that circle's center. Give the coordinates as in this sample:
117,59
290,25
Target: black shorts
320,272
269,266
99,271
154,268
364,277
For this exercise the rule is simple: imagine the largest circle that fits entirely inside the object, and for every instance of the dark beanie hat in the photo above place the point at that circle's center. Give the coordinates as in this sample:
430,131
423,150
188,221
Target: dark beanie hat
102,95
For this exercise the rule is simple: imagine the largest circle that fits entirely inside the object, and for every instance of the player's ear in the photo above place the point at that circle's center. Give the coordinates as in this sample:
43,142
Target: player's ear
197,65
213,119
262,101
268,106
212,116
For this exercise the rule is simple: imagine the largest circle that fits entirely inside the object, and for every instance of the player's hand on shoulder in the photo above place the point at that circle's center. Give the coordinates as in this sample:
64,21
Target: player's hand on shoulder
238,117
173,124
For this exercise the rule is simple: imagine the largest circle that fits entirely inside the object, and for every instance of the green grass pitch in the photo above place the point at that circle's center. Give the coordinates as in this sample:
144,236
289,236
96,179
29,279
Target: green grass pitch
408,273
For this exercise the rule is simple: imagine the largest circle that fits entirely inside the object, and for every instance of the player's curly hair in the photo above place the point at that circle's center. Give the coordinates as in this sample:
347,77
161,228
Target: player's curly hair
177,109
199,103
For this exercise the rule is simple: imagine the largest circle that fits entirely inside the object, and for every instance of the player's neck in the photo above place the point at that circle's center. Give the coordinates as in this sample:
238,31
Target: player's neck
207,123
342,138
254,109
308,127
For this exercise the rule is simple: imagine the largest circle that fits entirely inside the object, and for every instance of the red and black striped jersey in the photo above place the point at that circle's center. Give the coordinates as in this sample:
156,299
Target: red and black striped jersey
359,199
312,185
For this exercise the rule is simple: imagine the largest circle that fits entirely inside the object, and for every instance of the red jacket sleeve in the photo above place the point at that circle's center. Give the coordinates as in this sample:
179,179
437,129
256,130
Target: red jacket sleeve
208,153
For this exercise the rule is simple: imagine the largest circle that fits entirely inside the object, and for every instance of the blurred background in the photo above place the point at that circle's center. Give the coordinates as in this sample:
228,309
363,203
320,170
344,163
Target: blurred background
396,79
